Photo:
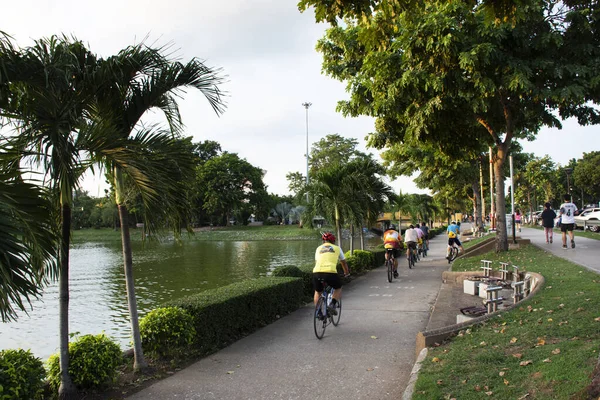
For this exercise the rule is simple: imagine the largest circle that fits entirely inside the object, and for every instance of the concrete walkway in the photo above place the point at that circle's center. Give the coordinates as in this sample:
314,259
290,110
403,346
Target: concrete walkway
368,356
586,252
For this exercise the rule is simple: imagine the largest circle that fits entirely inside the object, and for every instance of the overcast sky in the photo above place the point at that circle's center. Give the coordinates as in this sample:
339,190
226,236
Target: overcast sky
267,50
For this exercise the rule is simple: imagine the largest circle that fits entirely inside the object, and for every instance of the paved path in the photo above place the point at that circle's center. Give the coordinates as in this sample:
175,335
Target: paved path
586,252
368,356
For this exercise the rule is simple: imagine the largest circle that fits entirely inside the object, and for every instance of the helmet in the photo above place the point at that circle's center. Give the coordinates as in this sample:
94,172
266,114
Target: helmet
393,227
328,237
453,223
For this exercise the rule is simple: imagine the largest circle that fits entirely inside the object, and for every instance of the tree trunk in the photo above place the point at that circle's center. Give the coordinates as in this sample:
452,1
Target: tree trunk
67,389
501,234
478,211
338,227
352,239
362,239
139,362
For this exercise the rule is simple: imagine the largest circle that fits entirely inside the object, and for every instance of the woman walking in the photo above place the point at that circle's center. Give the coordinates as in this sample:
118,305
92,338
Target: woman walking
518,220
548,216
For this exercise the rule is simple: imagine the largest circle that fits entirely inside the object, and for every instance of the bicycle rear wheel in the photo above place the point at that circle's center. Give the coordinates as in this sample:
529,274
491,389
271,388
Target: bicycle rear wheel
390,269
320,318
411,261
453,253
335,319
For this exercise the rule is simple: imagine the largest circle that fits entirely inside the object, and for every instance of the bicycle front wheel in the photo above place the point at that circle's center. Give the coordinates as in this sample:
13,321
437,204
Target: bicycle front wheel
335,319
320,318
390,269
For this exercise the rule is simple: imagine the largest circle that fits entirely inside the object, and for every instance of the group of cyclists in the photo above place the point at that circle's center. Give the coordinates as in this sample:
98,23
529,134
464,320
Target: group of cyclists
329,254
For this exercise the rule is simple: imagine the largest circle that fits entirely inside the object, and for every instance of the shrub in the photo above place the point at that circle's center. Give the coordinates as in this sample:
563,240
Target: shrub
228,313
93,362
379,256
166,331
21,375
304,272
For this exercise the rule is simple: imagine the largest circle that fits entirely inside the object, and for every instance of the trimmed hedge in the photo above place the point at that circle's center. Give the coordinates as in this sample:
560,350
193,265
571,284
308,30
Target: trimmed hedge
231,312
167,332
304,272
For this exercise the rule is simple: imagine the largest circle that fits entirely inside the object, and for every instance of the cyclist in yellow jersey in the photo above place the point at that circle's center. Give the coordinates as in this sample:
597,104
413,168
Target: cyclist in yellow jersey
326,260
393,240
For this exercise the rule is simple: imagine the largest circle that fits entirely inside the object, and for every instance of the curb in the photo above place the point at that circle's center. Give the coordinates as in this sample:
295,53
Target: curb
414,374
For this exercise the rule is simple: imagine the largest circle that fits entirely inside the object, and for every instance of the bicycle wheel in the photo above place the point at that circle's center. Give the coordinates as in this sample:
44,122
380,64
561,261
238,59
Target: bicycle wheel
335,319
320,318
410,260
390,269
453,253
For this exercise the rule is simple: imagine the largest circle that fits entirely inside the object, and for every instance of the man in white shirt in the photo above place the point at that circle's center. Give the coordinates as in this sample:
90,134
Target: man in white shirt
410,238
567,222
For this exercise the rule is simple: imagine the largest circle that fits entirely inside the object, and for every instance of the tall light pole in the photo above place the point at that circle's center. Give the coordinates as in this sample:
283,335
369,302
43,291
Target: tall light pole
568,172
307,106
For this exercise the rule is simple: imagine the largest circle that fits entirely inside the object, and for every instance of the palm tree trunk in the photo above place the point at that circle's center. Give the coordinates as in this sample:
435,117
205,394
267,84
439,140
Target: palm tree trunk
362,239
338,227
67,389
139,362
352,239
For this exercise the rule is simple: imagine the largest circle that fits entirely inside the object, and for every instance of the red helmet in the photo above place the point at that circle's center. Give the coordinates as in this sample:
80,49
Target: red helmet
328,237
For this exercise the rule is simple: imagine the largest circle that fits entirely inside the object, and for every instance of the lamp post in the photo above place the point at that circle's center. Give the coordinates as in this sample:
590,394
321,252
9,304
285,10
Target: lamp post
568,171
307,106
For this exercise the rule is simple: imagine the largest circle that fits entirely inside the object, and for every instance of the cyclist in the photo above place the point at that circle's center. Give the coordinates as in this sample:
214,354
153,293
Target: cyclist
410,238
392,240
453,232
425,230
326,259
420,237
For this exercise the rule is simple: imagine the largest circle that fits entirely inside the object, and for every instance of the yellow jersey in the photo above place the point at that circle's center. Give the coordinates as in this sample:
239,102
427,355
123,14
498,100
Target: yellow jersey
326,258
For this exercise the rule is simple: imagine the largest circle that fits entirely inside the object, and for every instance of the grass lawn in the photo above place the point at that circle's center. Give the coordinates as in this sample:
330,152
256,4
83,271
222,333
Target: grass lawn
581,233
545,349
473,242
269,232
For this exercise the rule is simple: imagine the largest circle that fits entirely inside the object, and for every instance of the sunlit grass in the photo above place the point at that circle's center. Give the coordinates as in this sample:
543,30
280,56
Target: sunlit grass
556,334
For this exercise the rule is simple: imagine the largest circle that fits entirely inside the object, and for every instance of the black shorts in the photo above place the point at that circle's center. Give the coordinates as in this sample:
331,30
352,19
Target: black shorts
426,237
412,245
451,241
330,279
394,252
566,227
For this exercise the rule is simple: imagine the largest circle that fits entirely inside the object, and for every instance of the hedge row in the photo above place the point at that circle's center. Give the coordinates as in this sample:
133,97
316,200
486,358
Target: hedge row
228,313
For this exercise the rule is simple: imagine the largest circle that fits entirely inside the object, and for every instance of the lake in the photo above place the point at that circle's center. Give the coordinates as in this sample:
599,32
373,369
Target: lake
163,272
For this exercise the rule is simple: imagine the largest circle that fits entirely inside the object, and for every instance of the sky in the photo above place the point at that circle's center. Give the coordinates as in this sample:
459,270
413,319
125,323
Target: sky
266,50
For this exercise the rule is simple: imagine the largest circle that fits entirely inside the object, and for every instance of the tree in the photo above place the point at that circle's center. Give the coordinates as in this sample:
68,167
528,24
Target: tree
158,162
296,182
230,185
45,94
27,243
332,149
446,73
586,174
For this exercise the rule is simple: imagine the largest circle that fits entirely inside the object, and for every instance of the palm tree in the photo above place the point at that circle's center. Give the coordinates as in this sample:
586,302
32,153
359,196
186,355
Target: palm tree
156,161
27,243
43,93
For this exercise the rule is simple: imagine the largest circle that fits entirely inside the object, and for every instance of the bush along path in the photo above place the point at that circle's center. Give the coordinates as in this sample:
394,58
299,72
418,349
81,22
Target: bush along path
545,349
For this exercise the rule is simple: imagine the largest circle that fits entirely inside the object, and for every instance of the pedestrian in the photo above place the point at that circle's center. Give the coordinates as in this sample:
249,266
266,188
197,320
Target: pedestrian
518,220
567,220
548,216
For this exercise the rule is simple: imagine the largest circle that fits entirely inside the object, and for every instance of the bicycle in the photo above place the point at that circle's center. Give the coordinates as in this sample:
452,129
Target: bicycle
412,257
453,253
389,263
322,316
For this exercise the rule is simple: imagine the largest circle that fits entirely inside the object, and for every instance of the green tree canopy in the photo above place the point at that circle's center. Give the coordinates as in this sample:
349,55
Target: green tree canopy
586,174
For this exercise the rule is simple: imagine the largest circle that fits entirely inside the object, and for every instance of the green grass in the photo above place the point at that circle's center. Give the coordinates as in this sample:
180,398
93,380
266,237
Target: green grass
475,241
269,232
577,232
556,330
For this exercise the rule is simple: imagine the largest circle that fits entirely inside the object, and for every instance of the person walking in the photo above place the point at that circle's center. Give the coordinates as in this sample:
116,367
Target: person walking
548,216
518,218
567,220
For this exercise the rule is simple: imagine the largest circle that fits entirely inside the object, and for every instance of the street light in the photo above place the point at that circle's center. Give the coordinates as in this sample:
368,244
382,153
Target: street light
568,171
307,105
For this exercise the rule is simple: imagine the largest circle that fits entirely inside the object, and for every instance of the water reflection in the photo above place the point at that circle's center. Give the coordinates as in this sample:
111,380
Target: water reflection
163,272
